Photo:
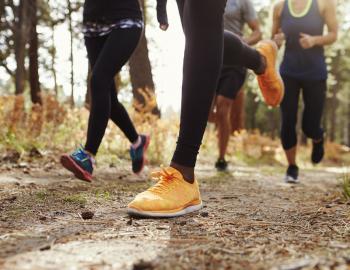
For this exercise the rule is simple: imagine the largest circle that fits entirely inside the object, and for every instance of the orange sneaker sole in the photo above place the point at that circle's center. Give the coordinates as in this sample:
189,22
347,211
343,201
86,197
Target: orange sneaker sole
189,209
270,99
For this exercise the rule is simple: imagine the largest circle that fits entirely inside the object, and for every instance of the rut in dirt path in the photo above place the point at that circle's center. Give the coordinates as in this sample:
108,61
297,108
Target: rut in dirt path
251,220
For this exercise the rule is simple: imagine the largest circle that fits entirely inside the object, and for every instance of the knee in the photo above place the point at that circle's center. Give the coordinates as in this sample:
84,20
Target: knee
97,82
288,139
288,134
223,107
94,82
232,40
312,131
289,120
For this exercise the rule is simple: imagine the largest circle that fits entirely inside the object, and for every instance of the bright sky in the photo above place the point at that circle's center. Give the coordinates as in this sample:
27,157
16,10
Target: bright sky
166,53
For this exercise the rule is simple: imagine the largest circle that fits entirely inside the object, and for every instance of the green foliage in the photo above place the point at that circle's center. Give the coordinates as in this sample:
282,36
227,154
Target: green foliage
41,195
77,199
105,195
346,186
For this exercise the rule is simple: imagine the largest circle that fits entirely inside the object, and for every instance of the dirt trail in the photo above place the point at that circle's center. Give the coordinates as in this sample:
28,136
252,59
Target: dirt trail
251,220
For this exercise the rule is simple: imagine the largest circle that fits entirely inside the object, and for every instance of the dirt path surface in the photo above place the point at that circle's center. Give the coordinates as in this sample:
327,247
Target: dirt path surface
251,220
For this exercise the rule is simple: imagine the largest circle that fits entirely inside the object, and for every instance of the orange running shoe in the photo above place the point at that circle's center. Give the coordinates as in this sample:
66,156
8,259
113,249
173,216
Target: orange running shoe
172,196
270,82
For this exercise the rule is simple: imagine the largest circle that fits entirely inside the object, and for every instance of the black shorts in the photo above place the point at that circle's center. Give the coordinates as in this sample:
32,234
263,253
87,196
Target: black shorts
231,81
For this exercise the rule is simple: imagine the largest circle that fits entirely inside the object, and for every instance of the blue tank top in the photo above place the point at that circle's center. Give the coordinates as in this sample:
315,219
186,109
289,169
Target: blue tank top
299,63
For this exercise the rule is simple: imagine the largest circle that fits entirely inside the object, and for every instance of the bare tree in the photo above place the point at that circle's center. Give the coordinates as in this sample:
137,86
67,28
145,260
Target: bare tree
141,70
21,37
70,26
33,54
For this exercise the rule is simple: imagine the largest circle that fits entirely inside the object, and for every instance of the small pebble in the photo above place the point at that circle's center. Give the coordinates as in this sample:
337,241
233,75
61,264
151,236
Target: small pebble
142,265
204,214
87,215
183,223
129,223
11,199
46,247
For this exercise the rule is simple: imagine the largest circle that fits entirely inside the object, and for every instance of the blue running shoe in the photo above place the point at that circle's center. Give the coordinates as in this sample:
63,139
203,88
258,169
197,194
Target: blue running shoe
80,163
138,154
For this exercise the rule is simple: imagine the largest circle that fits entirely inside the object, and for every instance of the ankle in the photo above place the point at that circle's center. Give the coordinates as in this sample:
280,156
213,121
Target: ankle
187,172
137,143
89,153
318,141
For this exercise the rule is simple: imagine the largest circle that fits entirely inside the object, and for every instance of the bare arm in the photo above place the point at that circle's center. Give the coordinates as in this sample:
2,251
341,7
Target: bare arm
329,14
276,32
330,17
256,34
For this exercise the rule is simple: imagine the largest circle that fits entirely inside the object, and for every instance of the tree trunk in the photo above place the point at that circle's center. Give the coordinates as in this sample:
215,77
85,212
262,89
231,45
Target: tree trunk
273,123
348,119
333,120
141,71
53,52
334,100
53,60
252,109
21,37
70,25
237,112
2,9
325,116
88,89
33,55
303,139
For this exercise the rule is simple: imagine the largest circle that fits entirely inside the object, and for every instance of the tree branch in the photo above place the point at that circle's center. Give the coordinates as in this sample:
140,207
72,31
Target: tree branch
8,70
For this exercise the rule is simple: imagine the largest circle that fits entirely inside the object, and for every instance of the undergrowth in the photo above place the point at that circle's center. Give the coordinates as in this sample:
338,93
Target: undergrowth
346,186
57,128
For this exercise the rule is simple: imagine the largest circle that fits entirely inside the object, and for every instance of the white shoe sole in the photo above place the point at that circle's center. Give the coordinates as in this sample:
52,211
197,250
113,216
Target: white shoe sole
291,180
190,209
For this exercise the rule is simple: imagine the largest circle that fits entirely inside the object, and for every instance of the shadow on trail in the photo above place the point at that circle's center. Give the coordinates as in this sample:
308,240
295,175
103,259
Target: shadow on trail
255,221
250,220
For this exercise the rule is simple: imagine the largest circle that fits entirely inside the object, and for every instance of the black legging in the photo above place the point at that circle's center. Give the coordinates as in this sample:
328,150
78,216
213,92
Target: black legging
314,95
107,55
202,21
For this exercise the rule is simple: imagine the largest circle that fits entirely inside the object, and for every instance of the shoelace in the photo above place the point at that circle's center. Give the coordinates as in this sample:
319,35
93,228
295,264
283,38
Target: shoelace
135,151
163,178
82,155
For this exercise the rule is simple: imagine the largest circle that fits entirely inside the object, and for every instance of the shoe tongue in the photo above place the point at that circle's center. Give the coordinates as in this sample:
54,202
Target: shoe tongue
174,172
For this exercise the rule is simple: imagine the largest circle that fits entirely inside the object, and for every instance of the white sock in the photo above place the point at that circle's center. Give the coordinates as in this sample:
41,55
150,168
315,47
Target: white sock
137,143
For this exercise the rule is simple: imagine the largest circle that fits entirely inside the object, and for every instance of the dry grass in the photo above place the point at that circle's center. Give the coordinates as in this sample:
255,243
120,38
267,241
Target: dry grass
54,127
346,186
